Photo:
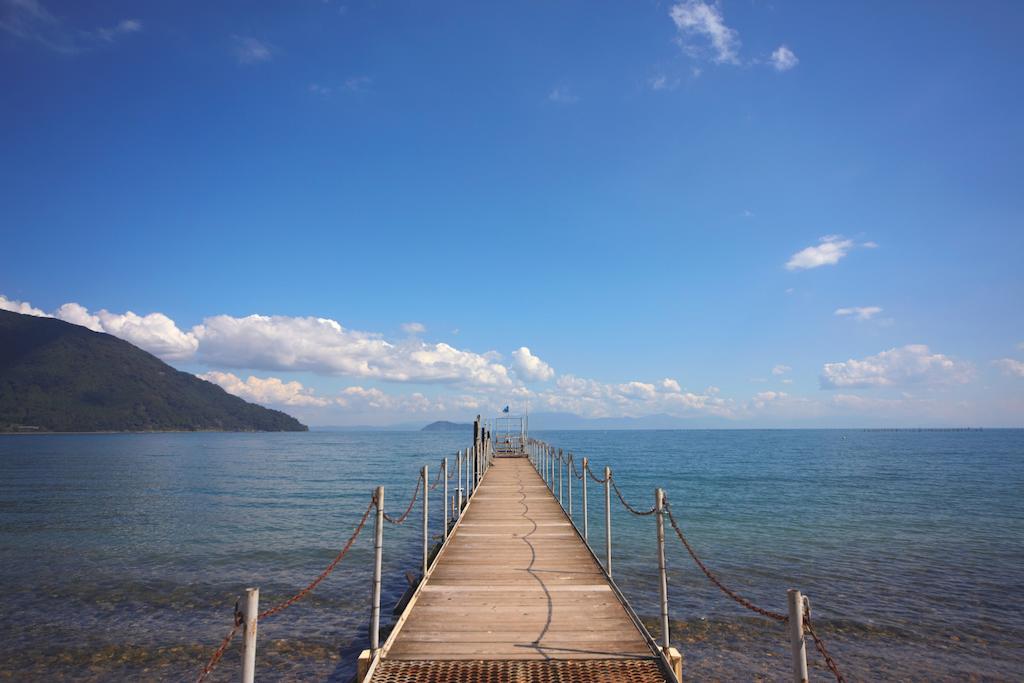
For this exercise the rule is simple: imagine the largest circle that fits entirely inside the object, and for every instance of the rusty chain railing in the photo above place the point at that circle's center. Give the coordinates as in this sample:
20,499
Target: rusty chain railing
412,501
284,604
215,659
575,473
590,472
777,616
819,644
635,511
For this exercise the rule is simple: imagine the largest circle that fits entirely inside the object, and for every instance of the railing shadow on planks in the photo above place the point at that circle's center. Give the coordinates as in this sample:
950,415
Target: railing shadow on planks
558,470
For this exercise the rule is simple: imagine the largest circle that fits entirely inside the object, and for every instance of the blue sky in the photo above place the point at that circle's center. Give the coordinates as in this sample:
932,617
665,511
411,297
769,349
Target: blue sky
409,194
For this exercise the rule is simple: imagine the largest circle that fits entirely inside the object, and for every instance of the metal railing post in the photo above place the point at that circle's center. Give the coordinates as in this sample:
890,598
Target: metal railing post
568,475
585,520
796,635
659,505
608,519
551,469
378,556
444,475
249,612
426,520
561,461
458,489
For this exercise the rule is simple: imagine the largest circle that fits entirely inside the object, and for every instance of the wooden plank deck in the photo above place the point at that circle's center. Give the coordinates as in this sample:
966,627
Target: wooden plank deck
515,582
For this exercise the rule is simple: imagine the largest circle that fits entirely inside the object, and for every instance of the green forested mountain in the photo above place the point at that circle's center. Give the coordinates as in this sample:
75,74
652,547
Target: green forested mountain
55,376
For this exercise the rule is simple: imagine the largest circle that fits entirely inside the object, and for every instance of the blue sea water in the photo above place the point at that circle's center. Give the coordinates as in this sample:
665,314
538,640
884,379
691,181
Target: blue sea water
122,555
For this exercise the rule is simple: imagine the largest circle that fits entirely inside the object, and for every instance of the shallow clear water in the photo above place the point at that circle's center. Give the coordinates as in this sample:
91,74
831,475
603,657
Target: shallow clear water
122,555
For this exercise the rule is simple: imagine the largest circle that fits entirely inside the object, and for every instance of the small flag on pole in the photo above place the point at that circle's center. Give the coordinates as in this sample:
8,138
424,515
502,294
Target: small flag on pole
505,409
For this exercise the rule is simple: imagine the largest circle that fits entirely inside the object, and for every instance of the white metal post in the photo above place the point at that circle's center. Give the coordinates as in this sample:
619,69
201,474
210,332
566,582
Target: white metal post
608,519
659,504
444,475
561,461
426,520
551,469
796,635
458,490
585,476
249,612
378,556
568,475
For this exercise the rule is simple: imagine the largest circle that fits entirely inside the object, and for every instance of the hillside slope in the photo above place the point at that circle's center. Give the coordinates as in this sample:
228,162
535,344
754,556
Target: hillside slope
55,376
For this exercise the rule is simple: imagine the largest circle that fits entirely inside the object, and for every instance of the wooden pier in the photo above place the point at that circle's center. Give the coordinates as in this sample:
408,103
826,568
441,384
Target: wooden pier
515,594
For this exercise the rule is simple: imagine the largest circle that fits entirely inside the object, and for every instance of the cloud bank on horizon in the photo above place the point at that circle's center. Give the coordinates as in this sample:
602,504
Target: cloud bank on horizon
483,381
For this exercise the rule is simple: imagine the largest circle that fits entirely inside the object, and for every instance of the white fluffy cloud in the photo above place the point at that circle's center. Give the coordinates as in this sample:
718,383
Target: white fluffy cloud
324,346
273,391
669,384
783,58
780,369
414,328
268,391
700,21
530,367
154,332
830,249
22,307
592,398
859,312
913,363
1011,367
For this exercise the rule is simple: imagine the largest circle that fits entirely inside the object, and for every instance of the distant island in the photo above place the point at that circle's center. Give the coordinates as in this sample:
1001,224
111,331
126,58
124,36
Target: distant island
445,426
59,377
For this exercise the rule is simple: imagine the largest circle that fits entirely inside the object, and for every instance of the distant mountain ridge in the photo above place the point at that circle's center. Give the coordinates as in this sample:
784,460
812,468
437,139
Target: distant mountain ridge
59,377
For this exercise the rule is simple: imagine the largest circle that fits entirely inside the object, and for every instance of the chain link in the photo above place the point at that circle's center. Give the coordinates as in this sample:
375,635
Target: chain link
820,645
324,574
591,473
578,475
437,478
415,495
223,647
638,513
714,579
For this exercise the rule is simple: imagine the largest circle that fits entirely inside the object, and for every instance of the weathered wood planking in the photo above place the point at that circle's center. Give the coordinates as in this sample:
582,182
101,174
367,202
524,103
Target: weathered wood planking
516,583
